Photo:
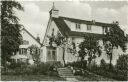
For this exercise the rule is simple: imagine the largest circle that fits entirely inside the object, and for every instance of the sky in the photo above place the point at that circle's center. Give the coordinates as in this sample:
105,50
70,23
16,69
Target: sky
36,13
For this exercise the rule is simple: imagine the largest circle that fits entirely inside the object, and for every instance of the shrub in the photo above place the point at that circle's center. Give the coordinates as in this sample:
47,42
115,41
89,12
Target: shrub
78,71
22,68
122,62
78,64
55,63
43,68
103,64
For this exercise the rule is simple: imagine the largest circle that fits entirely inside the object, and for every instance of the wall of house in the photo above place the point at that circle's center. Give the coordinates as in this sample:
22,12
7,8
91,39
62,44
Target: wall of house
83,28
116,52
60,54
27,37
43,54
115,55
70,57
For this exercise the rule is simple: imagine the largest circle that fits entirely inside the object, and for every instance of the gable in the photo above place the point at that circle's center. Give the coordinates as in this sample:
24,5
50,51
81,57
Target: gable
28,39
52,29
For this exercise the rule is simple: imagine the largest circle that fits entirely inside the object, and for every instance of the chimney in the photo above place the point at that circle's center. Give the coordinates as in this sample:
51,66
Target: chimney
93,21
54,12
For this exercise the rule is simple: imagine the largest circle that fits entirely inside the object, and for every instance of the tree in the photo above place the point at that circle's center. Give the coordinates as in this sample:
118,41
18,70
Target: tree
122,62
114,37
88,47
109,50
10,29
35,52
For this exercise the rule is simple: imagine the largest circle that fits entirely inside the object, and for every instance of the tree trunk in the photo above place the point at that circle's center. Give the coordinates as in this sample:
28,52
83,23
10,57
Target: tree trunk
82,60
64,55
110,60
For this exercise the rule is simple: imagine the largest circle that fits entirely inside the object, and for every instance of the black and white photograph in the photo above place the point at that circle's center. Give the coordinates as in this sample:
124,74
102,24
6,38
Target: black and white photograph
68,40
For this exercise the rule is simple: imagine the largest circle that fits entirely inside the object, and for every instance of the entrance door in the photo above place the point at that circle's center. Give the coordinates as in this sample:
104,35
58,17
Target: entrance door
51,54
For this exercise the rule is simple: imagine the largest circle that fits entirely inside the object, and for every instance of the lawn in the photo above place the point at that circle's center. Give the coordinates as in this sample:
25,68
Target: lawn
50,78
30,78
93,78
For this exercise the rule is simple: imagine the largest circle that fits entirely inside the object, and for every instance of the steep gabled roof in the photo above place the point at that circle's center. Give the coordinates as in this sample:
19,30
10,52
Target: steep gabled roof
66,31
62,26
31,35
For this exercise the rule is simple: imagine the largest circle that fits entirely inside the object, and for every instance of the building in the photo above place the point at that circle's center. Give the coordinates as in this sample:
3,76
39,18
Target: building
73,29
28,40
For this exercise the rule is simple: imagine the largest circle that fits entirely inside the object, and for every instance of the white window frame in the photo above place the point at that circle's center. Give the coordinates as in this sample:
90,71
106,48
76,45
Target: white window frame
78,26
89,27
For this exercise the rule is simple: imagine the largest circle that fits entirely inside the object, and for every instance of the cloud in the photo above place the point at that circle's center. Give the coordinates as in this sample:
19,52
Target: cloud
109,15
105,15
33,19
124,14
74,9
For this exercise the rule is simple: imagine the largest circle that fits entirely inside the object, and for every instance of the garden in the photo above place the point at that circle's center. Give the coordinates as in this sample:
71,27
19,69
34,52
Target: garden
23,71
118,72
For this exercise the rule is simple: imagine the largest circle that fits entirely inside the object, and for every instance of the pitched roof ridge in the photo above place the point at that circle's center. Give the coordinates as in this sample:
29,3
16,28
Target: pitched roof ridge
73,18
82,20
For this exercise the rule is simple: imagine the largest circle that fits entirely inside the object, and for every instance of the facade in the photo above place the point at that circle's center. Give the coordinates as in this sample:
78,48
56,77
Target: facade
73,29
28,40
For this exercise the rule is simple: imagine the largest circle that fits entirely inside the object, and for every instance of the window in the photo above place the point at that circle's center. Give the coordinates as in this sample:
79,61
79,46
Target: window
77,26
25,42
23,51
51,54
106,29
89,27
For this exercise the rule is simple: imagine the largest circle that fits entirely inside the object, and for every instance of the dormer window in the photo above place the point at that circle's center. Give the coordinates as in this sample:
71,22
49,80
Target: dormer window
89,27
106,30
77,26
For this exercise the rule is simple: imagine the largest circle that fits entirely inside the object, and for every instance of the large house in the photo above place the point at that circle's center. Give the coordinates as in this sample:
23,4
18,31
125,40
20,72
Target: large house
28,40
73,29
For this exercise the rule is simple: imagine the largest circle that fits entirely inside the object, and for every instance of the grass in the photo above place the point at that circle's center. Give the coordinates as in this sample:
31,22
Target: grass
30,78
50,78
93,78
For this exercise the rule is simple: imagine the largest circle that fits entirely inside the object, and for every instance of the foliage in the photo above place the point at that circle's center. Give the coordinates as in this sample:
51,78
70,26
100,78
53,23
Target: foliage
10,29
122,62
103,69
35,52
78,64
88,47
116,36
104,65
114,72
25,69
